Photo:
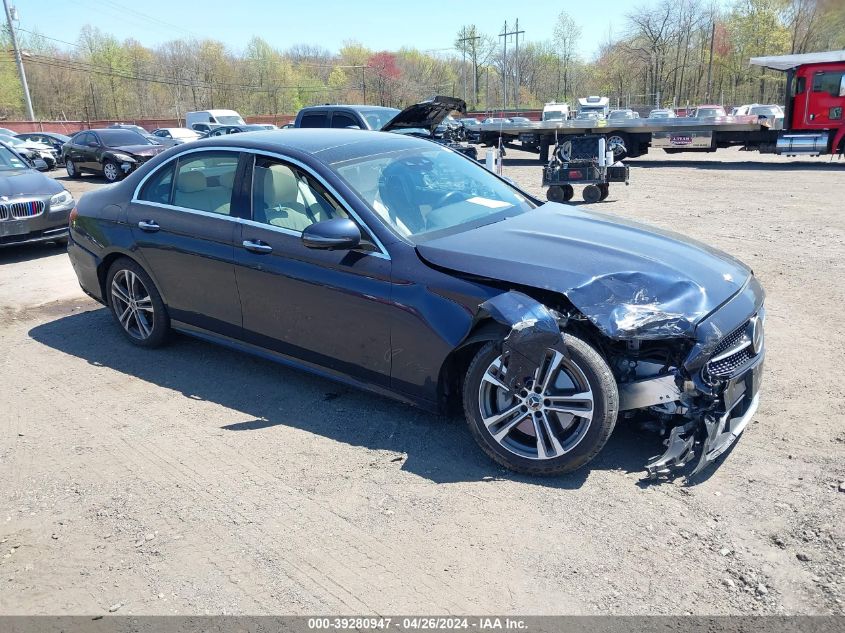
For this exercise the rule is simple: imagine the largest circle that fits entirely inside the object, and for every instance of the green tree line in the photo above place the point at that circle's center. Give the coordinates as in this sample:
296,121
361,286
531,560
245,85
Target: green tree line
670,52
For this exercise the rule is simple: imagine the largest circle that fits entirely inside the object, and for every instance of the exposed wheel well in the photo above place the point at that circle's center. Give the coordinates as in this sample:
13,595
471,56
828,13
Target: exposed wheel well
454,368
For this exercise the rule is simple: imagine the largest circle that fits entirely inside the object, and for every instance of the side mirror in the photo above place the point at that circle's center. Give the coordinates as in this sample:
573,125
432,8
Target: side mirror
335,234
40,164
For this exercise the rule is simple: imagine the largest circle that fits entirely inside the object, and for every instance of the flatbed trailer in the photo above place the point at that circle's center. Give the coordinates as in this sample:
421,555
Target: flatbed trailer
637,136
814,121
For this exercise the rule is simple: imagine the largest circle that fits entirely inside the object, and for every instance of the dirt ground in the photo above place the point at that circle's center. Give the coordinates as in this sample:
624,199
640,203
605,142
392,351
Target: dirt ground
197,480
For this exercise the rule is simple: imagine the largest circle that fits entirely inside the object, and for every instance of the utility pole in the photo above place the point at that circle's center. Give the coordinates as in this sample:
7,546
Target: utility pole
506,34
19,62
364,84
463,42
710,63
517,32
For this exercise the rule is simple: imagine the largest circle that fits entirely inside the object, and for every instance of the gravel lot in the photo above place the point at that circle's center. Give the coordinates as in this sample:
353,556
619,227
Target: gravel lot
196,480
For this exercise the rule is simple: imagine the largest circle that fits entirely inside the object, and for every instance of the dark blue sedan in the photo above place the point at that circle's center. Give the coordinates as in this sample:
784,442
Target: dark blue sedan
398,265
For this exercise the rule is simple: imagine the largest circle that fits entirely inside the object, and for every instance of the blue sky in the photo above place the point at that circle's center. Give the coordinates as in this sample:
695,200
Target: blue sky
378,24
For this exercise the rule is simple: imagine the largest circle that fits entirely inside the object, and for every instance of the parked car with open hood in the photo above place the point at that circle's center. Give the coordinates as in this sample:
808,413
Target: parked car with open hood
33,149
420,119
33,207
112,152
389,262
52,139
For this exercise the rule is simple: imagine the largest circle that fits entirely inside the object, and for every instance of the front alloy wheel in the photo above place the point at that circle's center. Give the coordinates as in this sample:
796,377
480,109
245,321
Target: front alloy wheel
556,423
112,172
72,171
136,304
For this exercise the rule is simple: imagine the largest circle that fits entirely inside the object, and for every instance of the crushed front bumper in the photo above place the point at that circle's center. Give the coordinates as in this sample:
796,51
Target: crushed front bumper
711,434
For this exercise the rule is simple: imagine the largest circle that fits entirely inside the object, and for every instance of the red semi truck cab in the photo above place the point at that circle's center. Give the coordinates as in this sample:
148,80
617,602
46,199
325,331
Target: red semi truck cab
814,121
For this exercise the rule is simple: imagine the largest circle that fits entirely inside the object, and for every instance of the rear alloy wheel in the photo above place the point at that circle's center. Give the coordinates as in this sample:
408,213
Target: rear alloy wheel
112,171
72,171
136,304
556,423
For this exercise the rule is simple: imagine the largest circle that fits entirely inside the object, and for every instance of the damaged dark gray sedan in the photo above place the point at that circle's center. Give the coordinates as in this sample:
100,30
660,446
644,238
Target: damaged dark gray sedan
397,265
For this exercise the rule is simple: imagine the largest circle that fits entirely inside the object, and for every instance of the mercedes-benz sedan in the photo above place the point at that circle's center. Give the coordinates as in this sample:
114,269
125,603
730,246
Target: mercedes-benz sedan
396,264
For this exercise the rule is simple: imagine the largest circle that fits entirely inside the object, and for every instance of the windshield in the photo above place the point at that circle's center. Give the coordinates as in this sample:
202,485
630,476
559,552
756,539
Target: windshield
710,112
115,138
553,115
230,120
10,160
377,119
11,140
423,191
766,111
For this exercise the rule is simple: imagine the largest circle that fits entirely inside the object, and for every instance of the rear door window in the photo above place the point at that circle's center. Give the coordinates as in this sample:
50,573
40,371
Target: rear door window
314,119
159,187
204,181
343,120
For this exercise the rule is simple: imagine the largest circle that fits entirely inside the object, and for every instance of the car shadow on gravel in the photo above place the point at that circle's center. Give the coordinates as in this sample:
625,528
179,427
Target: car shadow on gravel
270,394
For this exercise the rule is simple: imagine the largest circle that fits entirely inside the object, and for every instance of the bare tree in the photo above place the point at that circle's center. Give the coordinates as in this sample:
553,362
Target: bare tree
567,35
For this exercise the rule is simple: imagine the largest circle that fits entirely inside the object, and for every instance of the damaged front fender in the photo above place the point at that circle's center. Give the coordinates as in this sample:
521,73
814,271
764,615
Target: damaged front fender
533,329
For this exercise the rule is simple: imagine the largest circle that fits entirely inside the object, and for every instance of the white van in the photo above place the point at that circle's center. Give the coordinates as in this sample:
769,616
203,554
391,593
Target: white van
554,111
220,117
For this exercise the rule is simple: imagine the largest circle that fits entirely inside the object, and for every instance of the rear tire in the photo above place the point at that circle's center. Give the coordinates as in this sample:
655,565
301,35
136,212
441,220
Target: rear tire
512,451
136,304
605,191
72,170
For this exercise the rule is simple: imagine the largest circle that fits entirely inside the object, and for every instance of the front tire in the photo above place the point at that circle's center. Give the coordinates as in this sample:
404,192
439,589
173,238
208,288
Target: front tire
136,304
112,171
556,424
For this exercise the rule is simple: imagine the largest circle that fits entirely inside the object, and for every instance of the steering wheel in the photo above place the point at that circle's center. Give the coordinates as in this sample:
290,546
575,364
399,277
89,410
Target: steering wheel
450,197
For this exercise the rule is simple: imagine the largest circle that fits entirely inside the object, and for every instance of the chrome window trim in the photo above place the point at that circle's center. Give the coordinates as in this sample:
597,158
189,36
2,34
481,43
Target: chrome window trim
258,152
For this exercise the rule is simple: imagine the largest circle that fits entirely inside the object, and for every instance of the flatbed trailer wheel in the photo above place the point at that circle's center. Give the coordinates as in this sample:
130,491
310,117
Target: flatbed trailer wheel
555,194
568,192
605,191
591,194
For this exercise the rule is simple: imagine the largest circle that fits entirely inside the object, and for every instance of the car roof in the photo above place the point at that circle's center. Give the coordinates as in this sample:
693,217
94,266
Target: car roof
327,145
344,105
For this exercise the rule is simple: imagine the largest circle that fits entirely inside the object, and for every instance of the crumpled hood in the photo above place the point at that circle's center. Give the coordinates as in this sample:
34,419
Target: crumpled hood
26,182
140,150
630,280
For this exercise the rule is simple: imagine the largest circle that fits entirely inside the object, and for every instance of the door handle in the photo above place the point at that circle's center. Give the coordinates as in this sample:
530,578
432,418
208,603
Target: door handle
150,226
257,246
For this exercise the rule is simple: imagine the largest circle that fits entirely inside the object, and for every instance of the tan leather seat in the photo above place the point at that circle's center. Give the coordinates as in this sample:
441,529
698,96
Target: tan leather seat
193,192
281,206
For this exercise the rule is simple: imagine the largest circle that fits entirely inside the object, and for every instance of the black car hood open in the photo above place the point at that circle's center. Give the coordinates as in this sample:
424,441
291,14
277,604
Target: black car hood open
26,182
140,150
425,115
630,280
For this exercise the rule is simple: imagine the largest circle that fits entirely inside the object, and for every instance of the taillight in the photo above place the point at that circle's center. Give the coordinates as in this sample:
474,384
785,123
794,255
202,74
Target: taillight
71,218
